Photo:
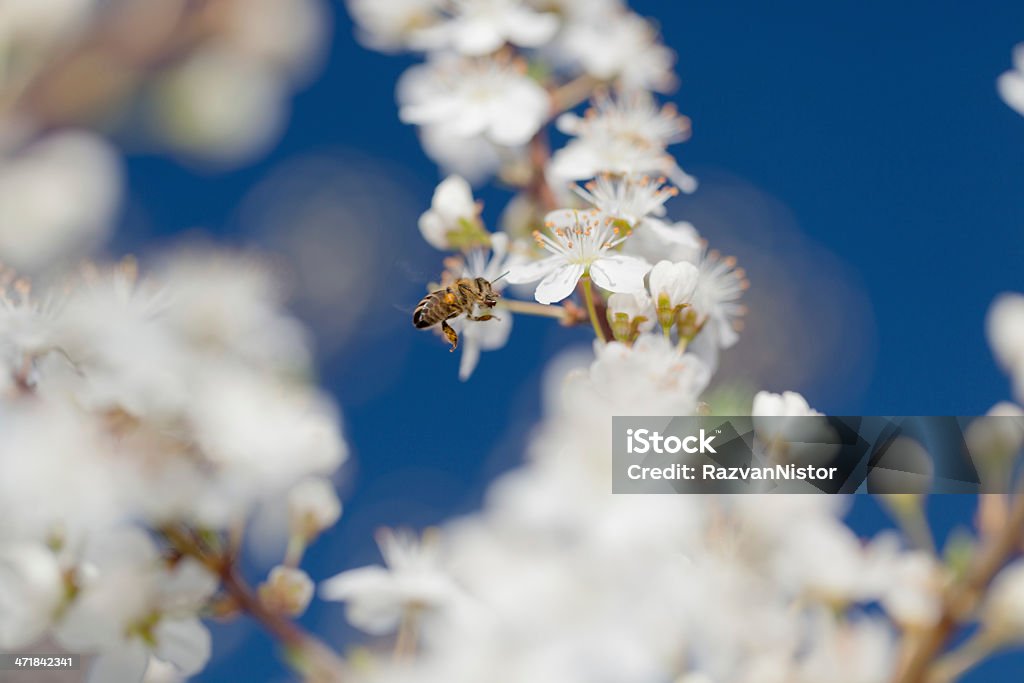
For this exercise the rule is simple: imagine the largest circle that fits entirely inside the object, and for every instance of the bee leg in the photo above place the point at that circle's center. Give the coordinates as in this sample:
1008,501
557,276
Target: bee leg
450,334
486,316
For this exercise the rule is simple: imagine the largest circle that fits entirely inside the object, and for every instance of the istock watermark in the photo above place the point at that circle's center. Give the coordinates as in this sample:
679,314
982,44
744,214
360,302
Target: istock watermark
813,454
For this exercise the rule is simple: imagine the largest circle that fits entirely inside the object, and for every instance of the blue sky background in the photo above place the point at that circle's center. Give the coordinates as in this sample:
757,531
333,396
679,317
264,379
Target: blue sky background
875,124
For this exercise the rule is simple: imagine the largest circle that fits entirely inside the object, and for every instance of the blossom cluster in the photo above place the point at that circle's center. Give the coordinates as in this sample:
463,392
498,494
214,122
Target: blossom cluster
146,419
130,404
555,579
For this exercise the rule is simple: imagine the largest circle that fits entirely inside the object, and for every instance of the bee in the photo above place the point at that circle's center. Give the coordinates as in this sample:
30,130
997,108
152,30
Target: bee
462,296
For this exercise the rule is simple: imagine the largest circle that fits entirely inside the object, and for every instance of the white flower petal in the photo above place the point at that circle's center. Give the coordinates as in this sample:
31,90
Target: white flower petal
533,271
453,199
559,284
529,29
185,643
470,358
1011,89
619,273
123,665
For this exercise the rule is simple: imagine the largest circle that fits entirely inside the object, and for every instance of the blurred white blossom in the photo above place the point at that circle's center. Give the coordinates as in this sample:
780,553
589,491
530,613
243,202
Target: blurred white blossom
58,199
413,578
1011,83
464,98
479,27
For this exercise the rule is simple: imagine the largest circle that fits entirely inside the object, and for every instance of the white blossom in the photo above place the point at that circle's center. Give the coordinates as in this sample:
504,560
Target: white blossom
287,590
58,199
630,314
672,287
630,199
1003,611
31,590
131,606
1005,327
654,240
628,134
624,48
377,597
716,300
452,214
1011,83
479,27
580,244
464,98
388,25
313,506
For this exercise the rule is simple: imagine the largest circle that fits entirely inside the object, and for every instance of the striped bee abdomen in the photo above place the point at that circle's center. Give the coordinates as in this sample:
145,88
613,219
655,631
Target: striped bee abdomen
431,310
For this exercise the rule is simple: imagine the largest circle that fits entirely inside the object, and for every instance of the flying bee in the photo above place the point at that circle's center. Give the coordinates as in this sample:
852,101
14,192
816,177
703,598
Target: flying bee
462,296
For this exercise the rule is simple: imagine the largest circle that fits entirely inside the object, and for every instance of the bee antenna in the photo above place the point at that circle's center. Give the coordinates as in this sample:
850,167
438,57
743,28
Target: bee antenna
500,276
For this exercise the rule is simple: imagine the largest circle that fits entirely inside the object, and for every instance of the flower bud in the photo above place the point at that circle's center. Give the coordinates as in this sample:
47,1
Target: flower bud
286,591
629,314
994,440
312,507
672,285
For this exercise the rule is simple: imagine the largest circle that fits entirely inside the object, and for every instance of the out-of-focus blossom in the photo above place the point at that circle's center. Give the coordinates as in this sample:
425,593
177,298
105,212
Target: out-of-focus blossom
1011,83
313,506
31,590
621,48
580,244
130,606
464,98
286,591
285,35
1005,327
453,220
913,593
479,27
651,371
995,439
377,597
1003,612
388,25
219,105
58,198
474,158
627,134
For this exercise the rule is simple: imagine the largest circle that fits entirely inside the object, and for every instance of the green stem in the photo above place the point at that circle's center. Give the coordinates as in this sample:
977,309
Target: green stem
588,294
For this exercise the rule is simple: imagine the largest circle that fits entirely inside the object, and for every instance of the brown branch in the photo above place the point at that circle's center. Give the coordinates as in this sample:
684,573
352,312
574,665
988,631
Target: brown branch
964,596
540,154
113,56
317,661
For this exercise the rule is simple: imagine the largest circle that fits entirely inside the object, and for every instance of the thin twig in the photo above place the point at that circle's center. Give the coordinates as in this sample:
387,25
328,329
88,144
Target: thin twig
318,662
964,595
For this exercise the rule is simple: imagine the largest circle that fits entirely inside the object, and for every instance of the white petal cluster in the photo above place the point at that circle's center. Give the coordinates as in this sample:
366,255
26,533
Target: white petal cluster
580,244
58,198
628,134
146,402
561,580
487,102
